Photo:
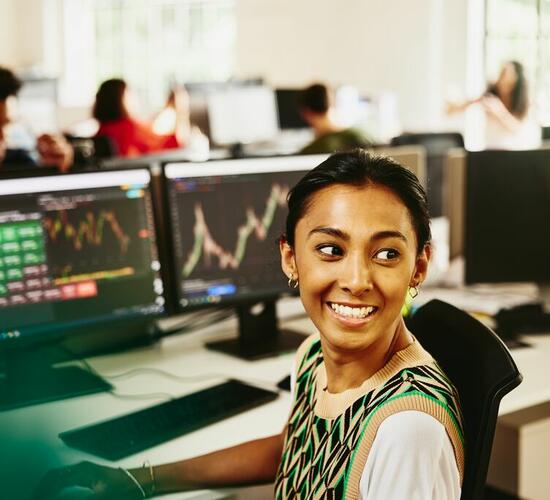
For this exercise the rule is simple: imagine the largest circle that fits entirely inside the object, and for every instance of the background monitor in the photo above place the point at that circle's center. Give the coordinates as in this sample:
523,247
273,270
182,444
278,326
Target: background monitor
226,218
437,145
37,104
507,214
242,115
78,253
412,157
288,109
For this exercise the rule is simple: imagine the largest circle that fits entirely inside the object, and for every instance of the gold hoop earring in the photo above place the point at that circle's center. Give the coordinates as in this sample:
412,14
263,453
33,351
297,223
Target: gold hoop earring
292,283
413,291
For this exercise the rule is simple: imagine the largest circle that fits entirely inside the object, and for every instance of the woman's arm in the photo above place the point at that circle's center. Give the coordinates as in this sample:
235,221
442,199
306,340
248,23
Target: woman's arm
183,119
411,457
254,462
458,107
174,119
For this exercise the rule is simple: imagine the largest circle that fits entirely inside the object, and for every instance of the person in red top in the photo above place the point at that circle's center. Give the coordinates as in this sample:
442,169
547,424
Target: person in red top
129,136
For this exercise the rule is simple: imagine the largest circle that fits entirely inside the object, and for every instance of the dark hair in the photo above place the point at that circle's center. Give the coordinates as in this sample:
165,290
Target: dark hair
9,83
315,98
109,101
361,168
520,94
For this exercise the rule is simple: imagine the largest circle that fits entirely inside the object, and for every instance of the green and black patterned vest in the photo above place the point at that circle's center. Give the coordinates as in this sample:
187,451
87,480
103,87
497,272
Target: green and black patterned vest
325,450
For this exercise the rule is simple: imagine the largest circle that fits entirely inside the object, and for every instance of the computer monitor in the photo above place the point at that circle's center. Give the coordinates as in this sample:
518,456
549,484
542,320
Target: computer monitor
242,115
78,254
37,104
288,109
226,218
507,214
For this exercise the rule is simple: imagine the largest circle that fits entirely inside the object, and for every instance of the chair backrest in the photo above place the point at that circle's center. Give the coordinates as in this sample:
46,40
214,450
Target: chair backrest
436,143
483,371
104,147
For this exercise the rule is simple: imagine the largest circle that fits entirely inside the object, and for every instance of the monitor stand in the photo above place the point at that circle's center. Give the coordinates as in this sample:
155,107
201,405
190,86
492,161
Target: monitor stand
259,334
29,378
544,294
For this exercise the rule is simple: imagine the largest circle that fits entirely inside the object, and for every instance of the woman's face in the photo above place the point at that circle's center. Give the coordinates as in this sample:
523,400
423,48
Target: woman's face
507,79
355,257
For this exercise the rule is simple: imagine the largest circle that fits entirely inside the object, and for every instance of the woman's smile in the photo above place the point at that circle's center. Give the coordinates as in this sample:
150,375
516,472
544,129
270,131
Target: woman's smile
352,315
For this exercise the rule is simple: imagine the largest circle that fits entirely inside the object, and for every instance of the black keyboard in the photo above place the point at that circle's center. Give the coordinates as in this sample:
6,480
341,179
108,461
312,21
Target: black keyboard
128,434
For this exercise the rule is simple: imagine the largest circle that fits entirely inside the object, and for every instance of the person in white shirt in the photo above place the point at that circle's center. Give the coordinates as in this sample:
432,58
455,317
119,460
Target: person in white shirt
505,103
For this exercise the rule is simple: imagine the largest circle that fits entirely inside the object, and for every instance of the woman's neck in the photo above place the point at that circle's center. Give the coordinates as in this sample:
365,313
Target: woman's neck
348,370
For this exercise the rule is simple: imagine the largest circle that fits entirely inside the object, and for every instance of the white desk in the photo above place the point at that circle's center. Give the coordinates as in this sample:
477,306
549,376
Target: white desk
30,435
33,431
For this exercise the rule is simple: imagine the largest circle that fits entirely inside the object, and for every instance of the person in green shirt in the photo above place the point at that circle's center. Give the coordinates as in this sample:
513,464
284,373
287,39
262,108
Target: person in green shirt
316,108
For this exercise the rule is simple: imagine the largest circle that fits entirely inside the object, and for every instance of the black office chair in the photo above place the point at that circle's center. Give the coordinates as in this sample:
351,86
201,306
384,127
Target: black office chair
437,144
88,151
104,147
482,370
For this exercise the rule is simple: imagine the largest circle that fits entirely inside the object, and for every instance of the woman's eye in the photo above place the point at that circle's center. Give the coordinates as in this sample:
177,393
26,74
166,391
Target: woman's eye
387,254
330,250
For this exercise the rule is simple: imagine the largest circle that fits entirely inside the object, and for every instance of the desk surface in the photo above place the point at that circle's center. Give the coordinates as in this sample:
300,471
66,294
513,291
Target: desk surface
180,365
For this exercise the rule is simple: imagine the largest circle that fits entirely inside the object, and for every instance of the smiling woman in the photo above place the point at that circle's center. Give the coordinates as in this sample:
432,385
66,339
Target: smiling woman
372,410
373,415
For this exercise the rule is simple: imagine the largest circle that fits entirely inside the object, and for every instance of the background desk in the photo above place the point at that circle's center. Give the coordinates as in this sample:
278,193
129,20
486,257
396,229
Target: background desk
29,435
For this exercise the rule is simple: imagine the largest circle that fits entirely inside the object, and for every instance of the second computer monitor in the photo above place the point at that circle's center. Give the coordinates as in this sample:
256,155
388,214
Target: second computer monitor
226,218
242,115
288,108
507,229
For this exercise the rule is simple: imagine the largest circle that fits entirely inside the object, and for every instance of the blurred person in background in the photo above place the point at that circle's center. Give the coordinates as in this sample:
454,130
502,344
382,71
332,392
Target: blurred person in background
316,104
52,150
114,109
506,107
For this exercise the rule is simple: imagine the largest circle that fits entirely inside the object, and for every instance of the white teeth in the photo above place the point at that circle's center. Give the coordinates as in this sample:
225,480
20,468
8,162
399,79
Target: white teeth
352,312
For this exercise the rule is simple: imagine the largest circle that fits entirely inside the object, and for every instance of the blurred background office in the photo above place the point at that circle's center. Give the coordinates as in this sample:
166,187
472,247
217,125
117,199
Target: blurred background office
394,68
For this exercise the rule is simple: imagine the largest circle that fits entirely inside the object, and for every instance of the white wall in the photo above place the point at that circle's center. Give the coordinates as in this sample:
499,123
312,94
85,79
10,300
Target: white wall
416,49
22,28
8,55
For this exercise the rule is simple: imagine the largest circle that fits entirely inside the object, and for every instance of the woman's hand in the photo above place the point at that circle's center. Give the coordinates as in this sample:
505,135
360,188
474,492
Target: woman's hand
55,150
105,483
2,149
178,99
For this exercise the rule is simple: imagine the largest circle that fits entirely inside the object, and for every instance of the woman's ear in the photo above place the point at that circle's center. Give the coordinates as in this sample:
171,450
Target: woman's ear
421,265
288,260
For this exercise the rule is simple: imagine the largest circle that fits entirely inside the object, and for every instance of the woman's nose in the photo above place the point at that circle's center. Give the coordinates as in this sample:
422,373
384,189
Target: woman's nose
356,276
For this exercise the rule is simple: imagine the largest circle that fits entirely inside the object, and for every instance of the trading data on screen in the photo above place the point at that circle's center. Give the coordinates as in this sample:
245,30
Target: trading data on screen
76,253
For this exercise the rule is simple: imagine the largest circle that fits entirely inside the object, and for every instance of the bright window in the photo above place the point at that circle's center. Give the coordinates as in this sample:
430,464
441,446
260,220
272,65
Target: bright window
152,44
520,30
